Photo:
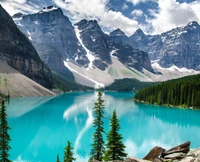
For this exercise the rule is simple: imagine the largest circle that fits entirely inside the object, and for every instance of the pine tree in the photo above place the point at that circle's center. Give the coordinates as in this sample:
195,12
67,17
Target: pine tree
114,146
57,158
4,136
98,149
68,153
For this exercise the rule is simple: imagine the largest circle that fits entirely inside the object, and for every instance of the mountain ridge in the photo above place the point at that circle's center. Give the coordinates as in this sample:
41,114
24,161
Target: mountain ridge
84,44
179,46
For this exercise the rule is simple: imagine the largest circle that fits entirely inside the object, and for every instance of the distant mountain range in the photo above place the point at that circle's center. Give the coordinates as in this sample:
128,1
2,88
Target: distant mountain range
179,46
68,48
84,44
85,54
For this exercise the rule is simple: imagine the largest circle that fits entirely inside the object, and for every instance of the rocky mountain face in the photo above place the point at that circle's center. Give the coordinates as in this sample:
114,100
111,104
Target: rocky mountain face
129,56
94,40
18,52
119,37
85,44
53,36
179,46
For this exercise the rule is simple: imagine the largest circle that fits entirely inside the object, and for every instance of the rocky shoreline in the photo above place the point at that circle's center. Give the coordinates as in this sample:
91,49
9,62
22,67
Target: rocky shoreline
182,153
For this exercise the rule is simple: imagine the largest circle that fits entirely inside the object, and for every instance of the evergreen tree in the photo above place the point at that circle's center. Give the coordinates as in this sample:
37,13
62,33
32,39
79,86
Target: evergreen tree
114,146
57,158
68,153
184,92
4,136
98,149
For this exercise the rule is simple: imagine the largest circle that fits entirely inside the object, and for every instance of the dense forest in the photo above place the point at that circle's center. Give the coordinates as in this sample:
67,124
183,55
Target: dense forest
128,85
184,92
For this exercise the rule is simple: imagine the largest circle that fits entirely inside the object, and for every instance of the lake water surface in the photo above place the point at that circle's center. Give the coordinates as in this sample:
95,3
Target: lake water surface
42,126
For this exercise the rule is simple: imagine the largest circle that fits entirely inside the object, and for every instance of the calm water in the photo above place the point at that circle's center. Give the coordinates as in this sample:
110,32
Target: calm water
41,127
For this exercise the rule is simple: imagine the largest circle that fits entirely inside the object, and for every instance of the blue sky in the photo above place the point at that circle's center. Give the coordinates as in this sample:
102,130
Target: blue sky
152,16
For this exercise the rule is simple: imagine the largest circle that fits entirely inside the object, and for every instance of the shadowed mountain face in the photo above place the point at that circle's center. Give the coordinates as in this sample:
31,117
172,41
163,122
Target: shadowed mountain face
18,52
179,46
85,44
53,36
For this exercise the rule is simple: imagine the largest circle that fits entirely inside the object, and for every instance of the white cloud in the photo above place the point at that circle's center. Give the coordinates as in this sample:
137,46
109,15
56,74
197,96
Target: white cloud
15,6
172,14
99,10
136,2
137,13
125,6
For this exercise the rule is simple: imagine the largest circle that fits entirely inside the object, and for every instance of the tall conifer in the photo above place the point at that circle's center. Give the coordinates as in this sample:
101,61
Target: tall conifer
57,158
68,153
4,136
114,146
98,149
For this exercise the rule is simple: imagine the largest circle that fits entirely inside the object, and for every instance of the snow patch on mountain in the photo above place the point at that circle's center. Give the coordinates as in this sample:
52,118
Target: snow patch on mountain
88,52
113,52
97,84
173,68
17,19
98,78
172,72
29,35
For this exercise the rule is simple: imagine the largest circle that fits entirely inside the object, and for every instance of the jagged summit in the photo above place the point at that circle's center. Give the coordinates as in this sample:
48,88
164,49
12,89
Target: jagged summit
192,25
117,32
88,24
139,32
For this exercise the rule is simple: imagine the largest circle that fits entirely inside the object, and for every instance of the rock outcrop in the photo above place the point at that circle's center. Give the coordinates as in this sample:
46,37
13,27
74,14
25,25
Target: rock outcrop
183,148
154,153
176,153
181,153
18,52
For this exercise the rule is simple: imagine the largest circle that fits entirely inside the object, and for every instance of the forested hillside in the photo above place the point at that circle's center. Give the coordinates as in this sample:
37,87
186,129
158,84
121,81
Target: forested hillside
128,84
184,92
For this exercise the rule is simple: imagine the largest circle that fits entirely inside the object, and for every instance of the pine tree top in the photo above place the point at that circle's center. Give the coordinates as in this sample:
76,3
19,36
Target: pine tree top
114,146
68,153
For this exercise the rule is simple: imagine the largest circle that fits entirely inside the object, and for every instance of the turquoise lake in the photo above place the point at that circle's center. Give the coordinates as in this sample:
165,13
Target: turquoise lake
41,126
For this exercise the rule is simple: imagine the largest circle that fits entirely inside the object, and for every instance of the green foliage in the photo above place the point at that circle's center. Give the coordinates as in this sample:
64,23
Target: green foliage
184,92
2,96
68,153
57,158
114,146
128,85
98,149
64,84
4,136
